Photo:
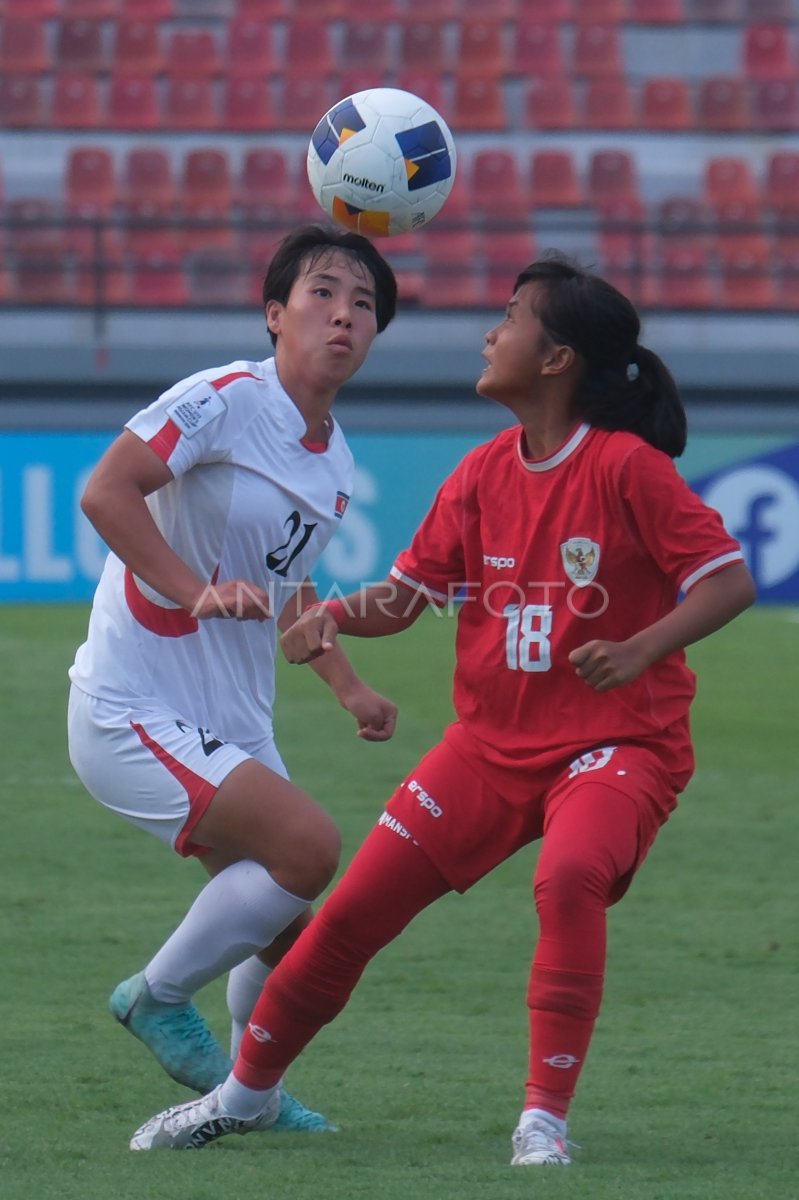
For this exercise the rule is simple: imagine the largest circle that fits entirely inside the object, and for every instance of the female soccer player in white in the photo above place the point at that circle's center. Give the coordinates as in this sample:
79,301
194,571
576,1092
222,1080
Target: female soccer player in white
216,502
568,540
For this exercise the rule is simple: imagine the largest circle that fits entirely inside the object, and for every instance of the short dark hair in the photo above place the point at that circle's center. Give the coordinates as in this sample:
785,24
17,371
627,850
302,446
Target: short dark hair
624,385
312,242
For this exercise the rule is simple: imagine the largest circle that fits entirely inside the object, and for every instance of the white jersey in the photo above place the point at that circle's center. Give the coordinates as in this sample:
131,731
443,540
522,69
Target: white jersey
248,501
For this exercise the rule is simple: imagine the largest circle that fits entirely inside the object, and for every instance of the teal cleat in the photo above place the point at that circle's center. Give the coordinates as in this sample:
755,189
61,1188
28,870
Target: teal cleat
175,1034
294,1117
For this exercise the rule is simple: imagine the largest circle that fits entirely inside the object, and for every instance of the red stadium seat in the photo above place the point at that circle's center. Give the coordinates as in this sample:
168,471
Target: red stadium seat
478,105
612,175
781,185
684,219
90,10
75,102
262,10
363,80
34,230
715,11
608,104
722,104
41,281
666,104
206,179
775,105
137,48
247,104
192,54
550,104
132,103
500,193
302,104
767,52
656,12
308,52
21,102
747,282
150,10
481,50
250,50
90,188
79,46
431,10
31,10
217,278
759,11
685,277
149,198
426,84
554,181
452,287
624,260
599,12
190,104
786,270
553,12
538,50
422,47
365,45
265,188
729,179
158,279
505,254
23,47
101,277
597,51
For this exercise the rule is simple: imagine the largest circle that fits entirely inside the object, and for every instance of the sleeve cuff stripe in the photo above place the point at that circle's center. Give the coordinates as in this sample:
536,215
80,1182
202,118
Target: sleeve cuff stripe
714,565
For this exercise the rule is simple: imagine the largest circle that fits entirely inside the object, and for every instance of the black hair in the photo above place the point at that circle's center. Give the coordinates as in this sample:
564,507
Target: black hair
624,385
307,244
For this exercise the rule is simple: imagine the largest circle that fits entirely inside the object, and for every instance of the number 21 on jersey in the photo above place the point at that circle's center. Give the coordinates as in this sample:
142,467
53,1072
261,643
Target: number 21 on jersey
527,645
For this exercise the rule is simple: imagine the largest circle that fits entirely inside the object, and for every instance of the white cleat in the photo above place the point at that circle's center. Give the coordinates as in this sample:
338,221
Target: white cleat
537,1143
193,1125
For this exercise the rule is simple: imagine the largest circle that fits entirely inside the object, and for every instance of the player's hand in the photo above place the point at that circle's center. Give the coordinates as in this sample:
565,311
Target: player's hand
607,665
236,599
312,634
375,716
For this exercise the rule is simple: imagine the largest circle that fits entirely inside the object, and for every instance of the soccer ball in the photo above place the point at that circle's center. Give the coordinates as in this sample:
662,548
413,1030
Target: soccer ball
381,162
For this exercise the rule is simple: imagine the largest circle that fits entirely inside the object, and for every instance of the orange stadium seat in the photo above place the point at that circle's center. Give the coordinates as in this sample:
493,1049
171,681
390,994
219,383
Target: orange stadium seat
133,103
421,47
365,45
250,49
302,103
550,104
656,12
158,279
192,54
767,52
775,105
666,104
498,187
554,180
599,12
247,104
23,47
478,105
729,179
612,175
481,50
308,52
722,104
781,185
101,276
685,279
21,102
538,50
75,102
608,104
190,104
747,282
137,48
597,51
79,46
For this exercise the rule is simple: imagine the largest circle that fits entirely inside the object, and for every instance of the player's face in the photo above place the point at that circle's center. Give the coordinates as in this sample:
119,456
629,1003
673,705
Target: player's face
516,351
325,328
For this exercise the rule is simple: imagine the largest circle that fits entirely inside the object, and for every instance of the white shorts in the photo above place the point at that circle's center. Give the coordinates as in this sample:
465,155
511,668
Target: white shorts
152,766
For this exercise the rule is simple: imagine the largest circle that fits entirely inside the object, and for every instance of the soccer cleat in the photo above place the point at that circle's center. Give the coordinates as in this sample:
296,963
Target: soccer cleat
175,1034
537,1143
294,1117
192,1126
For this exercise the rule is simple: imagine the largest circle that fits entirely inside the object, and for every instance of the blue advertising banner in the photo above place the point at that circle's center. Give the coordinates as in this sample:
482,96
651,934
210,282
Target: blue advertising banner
49,552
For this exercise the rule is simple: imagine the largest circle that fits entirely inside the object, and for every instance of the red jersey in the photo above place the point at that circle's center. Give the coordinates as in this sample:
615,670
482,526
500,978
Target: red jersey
595,541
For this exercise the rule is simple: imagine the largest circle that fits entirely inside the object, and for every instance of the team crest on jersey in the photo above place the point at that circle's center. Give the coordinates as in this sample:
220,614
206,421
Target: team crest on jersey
580,560
342,500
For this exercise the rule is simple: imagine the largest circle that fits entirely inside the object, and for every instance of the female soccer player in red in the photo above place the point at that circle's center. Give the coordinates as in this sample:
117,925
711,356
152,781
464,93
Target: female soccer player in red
567,541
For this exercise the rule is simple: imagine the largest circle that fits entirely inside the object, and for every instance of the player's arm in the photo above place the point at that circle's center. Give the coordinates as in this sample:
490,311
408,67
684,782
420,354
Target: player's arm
375,715
374,611
114,502
711,603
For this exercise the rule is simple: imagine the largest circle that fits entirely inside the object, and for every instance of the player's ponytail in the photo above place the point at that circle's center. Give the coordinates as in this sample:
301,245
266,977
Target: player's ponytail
624,386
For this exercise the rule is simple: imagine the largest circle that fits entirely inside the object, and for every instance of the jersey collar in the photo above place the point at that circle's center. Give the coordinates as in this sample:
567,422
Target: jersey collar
560,455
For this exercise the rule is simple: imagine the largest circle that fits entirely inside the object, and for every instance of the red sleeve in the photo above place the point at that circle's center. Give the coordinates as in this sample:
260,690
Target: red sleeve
685,537
435,558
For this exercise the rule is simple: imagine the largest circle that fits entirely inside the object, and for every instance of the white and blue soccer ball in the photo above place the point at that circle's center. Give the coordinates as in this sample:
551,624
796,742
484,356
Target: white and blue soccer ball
381,162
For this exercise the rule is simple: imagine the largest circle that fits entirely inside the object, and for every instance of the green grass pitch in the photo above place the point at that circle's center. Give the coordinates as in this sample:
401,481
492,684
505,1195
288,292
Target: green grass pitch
689,1092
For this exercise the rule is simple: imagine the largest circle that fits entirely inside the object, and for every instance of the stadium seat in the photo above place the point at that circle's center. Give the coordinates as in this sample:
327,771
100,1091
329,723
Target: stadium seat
780,193
685,279
101,277
480,50
379,10
550,104
607,104
722,104
625,262
656,12
478,105
23,47
553,12
79,46
430,10
157,279
90,188
41,281
192,54
538,50
729,179
666,104
302,103
151,10
308,52
148,192
247,104
137,48
190,104
365,45
786,271
611,175
21,102
775,105
31,10
684,219
759,11
767,52
250,50
554,180
421,47
505,254
598,12
452,287
498,188
75,102
133,103
746,281
262,10
206,179
722,12
265,188
597,51
427,84
90,10
350,82
217,278
33,228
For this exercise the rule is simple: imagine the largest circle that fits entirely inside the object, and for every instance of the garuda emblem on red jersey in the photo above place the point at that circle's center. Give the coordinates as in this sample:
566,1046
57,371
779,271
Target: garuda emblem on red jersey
580,560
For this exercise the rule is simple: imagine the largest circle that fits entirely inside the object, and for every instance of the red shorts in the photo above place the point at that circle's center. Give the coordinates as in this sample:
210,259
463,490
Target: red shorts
466,827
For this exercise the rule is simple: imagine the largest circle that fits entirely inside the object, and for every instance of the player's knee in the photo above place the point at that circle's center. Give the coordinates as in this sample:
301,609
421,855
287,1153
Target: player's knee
311,857
570,883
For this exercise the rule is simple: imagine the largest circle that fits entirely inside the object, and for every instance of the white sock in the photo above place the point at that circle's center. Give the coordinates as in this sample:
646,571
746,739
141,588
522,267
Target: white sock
541,1114
238,912
244,984
241,1101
